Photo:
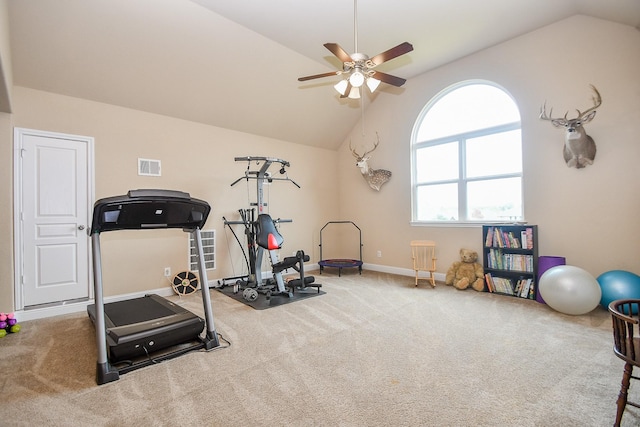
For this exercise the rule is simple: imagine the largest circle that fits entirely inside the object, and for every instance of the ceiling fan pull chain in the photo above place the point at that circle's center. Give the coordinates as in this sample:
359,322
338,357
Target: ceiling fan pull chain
362,113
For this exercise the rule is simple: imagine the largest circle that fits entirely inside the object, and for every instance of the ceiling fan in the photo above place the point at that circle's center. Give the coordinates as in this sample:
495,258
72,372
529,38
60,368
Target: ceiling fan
359,68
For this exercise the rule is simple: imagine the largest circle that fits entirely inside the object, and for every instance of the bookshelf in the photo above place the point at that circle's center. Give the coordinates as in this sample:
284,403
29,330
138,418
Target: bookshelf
510,259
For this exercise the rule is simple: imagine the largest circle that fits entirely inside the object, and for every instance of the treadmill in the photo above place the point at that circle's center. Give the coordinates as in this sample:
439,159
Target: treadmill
138,327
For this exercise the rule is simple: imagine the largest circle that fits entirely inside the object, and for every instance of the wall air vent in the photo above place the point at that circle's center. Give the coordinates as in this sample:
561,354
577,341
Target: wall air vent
149,167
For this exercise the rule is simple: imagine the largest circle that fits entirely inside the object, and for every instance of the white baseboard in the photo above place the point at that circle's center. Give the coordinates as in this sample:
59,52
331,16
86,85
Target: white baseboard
401,271
81,306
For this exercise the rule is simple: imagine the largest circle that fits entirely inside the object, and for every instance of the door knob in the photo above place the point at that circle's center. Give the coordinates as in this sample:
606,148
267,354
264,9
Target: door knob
81,227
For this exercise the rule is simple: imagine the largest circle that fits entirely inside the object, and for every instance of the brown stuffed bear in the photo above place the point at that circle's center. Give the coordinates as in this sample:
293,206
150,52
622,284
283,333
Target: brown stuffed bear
467,272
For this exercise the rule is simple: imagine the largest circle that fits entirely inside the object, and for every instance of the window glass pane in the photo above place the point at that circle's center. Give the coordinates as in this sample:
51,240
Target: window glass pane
499,153
495,200
468,108
437,202
437,163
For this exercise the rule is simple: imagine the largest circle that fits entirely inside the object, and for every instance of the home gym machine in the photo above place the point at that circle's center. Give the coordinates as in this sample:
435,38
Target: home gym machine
262,235
137,327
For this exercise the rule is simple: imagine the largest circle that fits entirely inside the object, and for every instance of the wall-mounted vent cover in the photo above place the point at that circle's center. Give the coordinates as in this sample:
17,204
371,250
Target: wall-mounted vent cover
208,238
149,167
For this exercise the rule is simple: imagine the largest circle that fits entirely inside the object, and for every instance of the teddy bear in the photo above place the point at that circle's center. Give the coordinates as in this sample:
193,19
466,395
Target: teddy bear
466,272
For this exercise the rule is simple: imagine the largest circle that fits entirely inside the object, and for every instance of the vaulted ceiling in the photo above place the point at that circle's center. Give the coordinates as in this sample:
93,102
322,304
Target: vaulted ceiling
235,64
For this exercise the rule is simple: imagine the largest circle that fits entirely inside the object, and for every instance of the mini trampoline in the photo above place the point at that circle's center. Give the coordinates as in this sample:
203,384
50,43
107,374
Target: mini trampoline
341,263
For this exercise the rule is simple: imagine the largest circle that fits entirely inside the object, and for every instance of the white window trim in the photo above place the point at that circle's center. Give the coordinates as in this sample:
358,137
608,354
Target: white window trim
414,146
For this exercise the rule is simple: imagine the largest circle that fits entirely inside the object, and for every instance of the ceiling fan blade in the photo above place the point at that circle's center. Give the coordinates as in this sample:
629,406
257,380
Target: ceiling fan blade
394,52
317,76
388,78
338,51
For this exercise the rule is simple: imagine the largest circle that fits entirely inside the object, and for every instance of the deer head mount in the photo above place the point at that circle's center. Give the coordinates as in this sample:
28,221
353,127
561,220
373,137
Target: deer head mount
374,177
579,148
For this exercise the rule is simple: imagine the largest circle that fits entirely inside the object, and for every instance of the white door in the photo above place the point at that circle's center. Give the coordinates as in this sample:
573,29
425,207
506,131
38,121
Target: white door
55,192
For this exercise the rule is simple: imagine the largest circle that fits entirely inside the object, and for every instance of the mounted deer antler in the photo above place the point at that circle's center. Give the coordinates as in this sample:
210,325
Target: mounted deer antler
579,148
374,177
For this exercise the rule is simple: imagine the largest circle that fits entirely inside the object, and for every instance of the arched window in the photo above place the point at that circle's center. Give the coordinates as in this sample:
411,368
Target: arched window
467,156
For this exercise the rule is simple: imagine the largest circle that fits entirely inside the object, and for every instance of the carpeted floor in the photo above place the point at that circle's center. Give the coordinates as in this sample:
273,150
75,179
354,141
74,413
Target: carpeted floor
372,351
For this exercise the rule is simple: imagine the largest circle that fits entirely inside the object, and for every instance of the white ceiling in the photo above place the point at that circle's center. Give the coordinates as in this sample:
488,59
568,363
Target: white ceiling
235,64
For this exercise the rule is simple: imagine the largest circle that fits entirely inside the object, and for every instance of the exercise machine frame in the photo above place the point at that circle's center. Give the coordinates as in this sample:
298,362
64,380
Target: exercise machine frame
257,230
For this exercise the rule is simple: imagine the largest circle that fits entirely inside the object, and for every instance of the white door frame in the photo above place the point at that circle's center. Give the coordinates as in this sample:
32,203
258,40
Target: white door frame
18,241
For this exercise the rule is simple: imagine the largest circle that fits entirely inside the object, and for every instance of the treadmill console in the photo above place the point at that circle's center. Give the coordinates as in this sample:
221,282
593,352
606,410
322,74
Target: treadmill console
148,209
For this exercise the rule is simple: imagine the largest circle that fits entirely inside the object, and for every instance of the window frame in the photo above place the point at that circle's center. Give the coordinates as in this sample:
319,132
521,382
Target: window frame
461,180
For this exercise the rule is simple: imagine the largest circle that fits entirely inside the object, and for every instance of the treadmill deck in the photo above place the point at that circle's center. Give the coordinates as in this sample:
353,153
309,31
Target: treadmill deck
140,326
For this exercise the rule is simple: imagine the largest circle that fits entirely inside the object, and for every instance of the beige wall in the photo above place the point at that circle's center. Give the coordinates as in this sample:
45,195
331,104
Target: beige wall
6,78
589,216
195,158
6,181
6,214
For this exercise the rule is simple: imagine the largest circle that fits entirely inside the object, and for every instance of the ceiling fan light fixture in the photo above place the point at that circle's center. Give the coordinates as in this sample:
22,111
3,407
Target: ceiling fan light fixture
354,93
372,84
341,87
356,78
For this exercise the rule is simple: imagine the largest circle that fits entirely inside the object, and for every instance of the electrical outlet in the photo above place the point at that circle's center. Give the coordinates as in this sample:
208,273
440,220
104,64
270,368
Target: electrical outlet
167,271
379,254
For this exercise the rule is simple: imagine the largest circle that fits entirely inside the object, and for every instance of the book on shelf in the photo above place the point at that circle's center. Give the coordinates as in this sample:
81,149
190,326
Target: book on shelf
524,239
506,285
498,260
512,241
525,286
529,231
488,280
488,241
522,287
498,238
501,285
517,288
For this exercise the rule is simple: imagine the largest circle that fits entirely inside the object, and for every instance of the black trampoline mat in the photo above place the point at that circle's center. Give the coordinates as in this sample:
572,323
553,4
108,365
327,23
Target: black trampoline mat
262,303
143,309
340,263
